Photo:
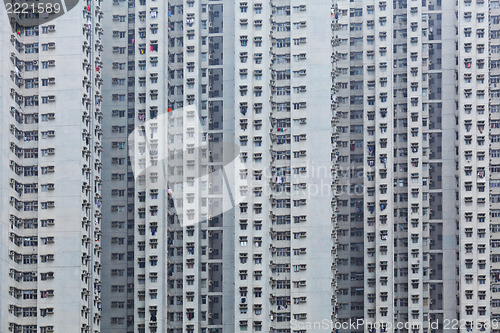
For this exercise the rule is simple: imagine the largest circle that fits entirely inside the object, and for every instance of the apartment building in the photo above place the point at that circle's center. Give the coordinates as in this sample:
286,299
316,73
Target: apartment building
50,225
416,84
488,175
299,232
493,179
266,166
134,233
394,228
474,162
222,217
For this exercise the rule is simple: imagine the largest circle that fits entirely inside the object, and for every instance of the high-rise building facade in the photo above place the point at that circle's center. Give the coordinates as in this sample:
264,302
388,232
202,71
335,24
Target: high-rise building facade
397,110
417,112
50,255
267,166
134,235
284,124
222,218
494,178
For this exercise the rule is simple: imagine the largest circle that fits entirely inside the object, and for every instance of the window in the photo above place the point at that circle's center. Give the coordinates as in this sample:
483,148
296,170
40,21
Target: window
283,42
